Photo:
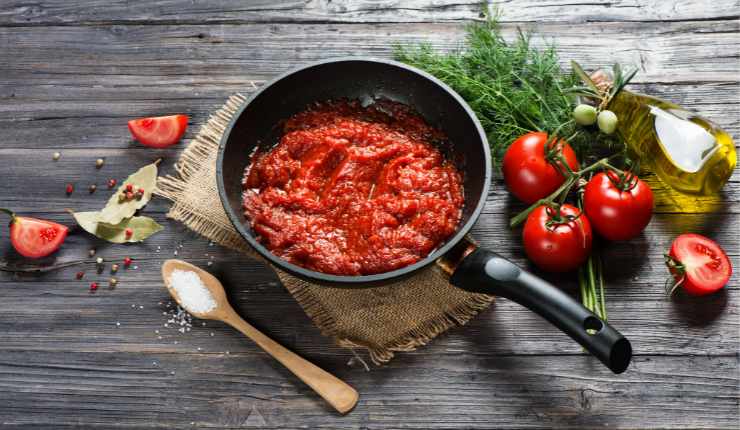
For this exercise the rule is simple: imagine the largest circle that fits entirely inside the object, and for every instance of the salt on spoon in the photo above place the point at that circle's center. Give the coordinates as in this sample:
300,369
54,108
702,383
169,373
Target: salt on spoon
201,294
194,296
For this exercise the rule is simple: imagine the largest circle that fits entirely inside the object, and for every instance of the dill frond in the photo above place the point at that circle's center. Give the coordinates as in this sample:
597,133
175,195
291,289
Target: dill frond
513,87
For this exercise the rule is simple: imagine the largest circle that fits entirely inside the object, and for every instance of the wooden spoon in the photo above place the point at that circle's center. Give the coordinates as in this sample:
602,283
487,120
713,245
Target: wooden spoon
335,391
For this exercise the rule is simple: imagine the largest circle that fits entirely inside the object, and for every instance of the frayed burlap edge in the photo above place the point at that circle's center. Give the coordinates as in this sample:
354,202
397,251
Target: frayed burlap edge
427,331
420,335
172,187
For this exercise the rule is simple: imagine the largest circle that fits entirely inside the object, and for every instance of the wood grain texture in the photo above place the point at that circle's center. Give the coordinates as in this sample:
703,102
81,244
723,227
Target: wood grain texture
97,12
215,390
72,73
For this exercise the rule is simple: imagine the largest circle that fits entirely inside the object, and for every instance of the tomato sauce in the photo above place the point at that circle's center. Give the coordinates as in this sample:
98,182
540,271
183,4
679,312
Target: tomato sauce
352,190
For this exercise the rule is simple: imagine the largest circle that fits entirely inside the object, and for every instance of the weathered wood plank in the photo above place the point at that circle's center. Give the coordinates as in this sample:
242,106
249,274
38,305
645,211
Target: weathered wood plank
146,390
84,116
56,312
19,12
133,54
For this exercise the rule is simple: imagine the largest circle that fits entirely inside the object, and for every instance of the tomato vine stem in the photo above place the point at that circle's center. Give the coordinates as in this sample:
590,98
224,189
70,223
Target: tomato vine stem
562,191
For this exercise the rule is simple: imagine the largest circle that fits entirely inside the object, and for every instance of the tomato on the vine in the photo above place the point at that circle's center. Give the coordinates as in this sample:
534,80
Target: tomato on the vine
618,207
557,242
35,238
698,264
529,172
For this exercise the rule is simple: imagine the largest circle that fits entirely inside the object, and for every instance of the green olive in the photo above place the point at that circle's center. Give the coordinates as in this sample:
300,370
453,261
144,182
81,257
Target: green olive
584,114
607,121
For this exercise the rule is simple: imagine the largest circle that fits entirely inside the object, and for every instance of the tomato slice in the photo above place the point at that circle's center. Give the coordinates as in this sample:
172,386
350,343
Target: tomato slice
36,238
159,131
704,266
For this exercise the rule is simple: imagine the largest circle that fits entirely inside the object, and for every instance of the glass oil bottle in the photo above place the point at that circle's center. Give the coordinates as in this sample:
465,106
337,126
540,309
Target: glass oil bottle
688,152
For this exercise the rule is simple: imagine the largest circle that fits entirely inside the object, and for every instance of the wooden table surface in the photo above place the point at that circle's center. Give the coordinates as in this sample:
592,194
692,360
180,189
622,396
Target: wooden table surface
73,72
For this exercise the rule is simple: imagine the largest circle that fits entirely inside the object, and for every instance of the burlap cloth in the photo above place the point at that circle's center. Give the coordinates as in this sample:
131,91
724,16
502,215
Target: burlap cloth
397,317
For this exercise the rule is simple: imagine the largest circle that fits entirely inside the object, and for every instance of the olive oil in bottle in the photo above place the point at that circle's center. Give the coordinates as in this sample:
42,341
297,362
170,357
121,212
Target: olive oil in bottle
687,152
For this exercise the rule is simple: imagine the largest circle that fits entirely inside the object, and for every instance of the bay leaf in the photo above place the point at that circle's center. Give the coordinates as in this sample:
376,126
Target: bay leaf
87,220
141,226
116,211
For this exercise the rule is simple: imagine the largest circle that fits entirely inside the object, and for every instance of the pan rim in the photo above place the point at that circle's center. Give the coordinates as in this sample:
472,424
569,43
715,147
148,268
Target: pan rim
345,280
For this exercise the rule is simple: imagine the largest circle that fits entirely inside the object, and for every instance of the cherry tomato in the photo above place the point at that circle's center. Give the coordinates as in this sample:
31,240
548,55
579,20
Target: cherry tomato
35,238
528,173
159,131
557,245
699,264
618,210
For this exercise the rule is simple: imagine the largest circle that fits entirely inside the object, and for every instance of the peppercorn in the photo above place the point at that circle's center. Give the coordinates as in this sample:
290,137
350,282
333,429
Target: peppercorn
99,260
139,195
129,187
69,189
56,156
92,188
129,195
141,190
127,261
128,232
79,275
114,268
113,282
111,183
93,286
99,163
91,252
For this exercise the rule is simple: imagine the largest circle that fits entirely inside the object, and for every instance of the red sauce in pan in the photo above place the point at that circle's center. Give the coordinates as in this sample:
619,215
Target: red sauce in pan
352,190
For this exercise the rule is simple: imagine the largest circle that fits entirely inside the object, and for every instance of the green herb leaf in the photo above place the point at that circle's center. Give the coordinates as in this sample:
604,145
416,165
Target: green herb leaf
584,76
116,211
142,227
513,87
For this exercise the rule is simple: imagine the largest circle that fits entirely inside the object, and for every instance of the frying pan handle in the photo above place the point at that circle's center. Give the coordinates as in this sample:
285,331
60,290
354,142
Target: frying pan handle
486,272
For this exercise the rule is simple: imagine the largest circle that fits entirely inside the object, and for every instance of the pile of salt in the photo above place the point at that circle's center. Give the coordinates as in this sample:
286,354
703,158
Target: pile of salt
194,296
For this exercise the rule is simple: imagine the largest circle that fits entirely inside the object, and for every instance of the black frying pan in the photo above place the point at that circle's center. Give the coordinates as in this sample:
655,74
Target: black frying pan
470,268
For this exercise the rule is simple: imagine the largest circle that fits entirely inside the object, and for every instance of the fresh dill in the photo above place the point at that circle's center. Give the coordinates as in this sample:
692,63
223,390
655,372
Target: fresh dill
513,87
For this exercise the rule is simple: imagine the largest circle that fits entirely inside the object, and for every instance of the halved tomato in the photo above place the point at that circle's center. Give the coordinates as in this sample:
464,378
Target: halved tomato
159,131
35,238
698,264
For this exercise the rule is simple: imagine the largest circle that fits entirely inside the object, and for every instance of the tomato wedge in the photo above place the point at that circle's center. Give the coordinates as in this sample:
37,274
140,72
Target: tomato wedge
698,264
35,238
159,131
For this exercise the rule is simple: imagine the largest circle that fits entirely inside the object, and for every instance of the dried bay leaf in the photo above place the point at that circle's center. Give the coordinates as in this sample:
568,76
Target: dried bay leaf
87,220
116,211
141,226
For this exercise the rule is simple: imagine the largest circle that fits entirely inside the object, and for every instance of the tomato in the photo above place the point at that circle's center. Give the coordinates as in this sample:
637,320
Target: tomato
159,131
618,211
557,245
698,264
528,173
35,238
